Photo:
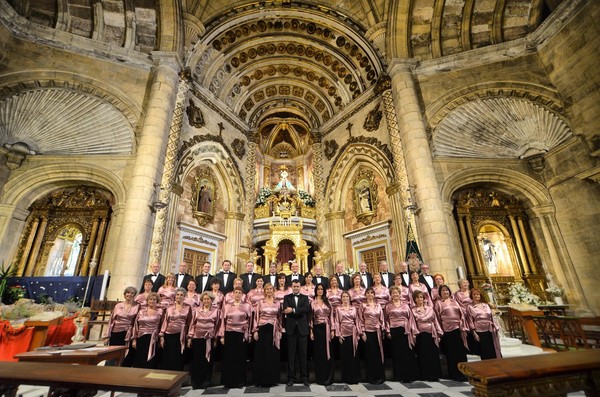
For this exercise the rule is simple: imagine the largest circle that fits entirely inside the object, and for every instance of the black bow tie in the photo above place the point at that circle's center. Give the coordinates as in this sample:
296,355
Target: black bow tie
296,295
225,272
385,273
363,274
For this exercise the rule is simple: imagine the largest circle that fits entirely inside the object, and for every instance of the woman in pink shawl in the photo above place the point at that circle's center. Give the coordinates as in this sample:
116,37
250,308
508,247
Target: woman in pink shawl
267,329
428,339
173,332
121,323
453,322
145,333
201,337
483,326
372,325
347,330
321,333
235,334
401,328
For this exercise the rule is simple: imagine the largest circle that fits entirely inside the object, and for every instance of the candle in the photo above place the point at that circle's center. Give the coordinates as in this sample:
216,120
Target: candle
104,285
461,272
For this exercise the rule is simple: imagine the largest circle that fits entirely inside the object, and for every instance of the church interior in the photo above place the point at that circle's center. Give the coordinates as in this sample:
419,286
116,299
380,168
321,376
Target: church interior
143,131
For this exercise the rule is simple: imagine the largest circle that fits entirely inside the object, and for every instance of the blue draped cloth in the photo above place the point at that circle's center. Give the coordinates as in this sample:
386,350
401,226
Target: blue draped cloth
60,289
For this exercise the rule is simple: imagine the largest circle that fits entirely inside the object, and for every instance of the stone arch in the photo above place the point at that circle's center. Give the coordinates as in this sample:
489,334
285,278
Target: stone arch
25,188
224,167
521,185
348,163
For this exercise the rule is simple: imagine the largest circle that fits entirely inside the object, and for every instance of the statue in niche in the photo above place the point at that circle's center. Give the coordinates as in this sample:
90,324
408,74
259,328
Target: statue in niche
204,194
284,183
365,196
365,199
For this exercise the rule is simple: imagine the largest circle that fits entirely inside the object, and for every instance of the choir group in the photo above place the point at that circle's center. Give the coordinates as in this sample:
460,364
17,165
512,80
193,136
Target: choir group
408,317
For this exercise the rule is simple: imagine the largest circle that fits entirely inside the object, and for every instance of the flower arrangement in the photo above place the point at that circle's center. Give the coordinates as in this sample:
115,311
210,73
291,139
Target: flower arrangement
487,287
13,294
555,291
519,294
306,198
263,194
350,271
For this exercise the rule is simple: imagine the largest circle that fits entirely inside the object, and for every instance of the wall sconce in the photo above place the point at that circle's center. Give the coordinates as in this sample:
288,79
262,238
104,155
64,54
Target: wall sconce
412,203
156,204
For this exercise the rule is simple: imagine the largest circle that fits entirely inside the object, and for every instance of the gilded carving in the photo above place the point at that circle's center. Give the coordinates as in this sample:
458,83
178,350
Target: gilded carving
195,116
204,194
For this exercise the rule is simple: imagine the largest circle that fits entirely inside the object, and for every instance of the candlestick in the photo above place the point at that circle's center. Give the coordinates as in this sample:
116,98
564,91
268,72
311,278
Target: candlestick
104,285
461,272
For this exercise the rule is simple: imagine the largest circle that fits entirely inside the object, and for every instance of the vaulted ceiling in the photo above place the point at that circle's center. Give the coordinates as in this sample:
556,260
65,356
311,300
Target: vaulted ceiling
284,65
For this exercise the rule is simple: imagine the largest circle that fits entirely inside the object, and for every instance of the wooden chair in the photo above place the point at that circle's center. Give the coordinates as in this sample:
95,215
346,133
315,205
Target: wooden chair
100,311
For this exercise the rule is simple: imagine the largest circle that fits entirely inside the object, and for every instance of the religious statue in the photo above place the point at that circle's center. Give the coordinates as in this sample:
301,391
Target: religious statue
205,199
283,181
365,199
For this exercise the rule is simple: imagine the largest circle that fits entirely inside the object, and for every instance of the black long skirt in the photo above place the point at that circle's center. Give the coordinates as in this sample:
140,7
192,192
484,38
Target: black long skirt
350,362
323,365
233,372
172,357
141,353
486,345
453,348
266,369
118,339
374,363
200,367
428,356
404,360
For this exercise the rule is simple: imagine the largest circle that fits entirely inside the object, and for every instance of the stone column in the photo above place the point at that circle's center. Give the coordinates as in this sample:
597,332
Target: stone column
167,252
168,176
90,248
526,244
434,232
335,221
12,222
234,222
398,192
319,192
35,250
134,243
28,245
466,246
520,248
249,187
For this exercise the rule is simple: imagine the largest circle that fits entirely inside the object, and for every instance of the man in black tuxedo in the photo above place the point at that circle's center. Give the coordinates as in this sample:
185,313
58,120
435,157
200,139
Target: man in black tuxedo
295,268
387,278
319,277
182,278
204,279
296,308
249,278
271,278
158,280
226,276
343,278
404,274
426,278
365,277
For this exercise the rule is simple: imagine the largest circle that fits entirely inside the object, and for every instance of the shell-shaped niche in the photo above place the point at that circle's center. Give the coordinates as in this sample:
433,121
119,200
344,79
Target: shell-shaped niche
64,122
499,128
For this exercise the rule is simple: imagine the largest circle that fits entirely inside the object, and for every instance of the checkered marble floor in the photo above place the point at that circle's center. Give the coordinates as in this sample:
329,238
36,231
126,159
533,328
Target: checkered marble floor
443,388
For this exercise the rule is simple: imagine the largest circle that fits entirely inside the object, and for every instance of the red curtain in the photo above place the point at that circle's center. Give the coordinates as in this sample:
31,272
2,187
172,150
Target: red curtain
13,340
61,334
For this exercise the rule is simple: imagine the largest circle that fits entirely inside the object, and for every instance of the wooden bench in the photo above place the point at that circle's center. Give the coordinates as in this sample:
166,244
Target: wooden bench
540,375
67,380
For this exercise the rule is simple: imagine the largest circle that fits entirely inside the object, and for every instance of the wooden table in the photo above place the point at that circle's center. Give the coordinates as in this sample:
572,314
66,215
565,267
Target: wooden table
86,380
541,375
89,356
